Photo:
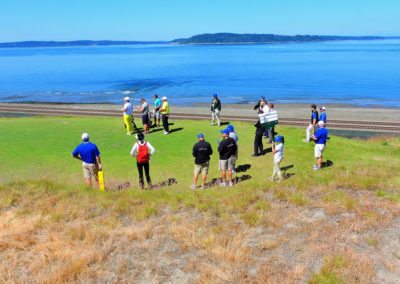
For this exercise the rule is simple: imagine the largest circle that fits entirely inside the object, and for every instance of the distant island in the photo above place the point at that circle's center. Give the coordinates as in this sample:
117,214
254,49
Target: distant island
217,38
74,43
231,38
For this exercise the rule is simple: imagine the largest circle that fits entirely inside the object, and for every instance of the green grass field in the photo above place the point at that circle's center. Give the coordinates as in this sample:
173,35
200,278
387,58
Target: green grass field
39,178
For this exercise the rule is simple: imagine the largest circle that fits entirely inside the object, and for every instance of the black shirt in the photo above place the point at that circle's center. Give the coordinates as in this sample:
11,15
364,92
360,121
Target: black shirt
202,151
227,148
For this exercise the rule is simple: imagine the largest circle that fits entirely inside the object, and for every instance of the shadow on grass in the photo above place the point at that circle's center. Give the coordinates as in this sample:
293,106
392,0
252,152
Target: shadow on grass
168,182
267,150
236,180
243,168
288,175
327,164
285,168
175,129
225,123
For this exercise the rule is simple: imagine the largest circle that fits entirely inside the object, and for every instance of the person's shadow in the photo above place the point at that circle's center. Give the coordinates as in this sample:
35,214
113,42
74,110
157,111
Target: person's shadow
225,123
327,164
267,150
243,168
175,129
285,174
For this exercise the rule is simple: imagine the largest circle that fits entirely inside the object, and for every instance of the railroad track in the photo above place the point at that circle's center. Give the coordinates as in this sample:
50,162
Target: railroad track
55,110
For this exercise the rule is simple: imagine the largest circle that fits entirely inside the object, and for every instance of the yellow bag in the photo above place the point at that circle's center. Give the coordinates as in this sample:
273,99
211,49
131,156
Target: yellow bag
101,180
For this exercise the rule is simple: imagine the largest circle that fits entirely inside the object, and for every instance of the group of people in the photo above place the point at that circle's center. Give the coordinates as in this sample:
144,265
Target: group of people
160,110
228,149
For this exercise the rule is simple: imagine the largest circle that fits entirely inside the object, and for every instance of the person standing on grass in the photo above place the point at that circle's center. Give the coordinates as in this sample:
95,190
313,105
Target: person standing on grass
157,105
277,150
271,130
165,114
232,134
313,123
201,152
258,107
144,109
258,144
89,154
322,115
127,113
142,150
215,110
320,139
226,149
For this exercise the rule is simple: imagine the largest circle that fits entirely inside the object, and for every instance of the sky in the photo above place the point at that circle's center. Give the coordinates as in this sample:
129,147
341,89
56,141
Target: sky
170,19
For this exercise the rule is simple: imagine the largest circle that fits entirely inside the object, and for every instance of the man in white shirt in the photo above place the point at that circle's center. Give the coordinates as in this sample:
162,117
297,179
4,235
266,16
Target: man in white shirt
127,110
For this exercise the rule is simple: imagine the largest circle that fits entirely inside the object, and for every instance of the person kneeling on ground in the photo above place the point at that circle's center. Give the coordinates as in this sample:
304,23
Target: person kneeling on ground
201,152
227,149
319,138
258,144
142,150
277,150
89,154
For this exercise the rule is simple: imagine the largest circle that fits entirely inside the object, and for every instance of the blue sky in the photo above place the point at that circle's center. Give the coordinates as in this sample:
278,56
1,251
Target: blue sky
170,19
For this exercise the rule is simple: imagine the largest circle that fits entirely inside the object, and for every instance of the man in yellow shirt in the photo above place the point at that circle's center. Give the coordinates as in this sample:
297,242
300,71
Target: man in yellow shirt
165,114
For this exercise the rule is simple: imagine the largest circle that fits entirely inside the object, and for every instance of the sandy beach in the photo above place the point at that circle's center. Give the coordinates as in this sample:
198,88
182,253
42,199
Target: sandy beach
296,111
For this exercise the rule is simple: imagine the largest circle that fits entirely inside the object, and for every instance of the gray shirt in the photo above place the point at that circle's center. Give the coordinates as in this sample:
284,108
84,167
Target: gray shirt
145,108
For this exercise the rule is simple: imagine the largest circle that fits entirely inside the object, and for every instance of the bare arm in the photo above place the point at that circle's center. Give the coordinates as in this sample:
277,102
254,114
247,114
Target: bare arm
98,160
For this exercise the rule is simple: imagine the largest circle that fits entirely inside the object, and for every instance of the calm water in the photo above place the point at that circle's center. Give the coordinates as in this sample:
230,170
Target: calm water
363,72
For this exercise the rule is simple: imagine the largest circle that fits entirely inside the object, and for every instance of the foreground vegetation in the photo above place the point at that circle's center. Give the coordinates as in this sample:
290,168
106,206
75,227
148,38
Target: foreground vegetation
338,225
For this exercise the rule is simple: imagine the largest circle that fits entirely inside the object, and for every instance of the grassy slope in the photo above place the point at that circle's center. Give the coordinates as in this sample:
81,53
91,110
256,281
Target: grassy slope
39,149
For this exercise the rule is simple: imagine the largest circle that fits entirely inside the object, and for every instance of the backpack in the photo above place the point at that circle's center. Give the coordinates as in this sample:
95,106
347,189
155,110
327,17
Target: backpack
143,153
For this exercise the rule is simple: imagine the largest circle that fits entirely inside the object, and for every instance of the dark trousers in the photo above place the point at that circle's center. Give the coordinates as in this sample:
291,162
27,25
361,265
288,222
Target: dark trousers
271,134
165,122
258,145
146,167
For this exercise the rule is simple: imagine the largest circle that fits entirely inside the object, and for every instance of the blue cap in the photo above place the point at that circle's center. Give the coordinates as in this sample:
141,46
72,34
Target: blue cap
278,139
215,95
230,128
262,97
200,135
225,131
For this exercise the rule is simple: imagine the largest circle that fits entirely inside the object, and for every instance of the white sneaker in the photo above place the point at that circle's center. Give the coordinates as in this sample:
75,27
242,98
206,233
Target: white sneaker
193,186
203,186
165,132
222,184
306,141
271,179
230,184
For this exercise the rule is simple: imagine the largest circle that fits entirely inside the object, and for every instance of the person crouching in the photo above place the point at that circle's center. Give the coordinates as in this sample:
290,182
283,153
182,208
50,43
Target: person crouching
142,150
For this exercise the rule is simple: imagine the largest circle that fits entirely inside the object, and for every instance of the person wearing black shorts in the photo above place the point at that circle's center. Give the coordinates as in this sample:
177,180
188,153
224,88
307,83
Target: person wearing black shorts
144,108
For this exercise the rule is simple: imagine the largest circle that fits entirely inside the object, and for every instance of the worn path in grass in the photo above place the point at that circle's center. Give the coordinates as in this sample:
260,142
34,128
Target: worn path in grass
338,224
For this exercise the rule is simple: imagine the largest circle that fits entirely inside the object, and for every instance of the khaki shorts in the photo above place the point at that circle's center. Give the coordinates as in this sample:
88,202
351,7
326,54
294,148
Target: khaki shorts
89,170
202,168
318,150
226,164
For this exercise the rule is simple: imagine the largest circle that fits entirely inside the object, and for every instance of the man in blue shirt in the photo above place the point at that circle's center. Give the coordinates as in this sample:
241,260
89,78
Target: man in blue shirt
319,138
89,154
322,115
156,111
313,123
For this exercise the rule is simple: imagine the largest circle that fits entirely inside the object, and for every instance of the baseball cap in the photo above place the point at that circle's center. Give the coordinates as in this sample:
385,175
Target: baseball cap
278,139
215,95
126,98
200,135
262,98
164,98
85,136
225,131
321,123
322,108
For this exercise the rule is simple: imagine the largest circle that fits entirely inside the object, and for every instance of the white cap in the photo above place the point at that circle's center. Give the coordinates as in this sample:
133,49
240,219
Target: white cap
323,108
126,98
321,123
85,136
164,98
